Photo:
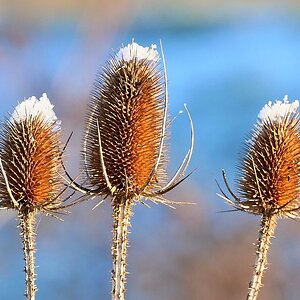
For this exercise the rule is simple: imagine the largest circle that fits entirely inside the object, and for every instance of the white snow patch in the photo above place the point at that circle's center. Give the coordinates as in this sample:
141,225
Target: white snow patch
32,107
278,109
273,111
134,50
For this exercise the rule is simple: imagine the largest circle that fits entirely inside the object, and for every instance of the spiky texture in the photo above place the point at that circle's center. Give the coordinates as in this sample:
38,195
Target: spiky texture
30,155
270,170
128,107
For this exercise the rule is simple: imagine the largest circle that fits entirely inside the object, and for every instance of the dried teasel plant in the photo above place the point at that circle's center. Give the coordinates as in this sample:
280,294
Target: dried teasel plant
30,167
124,145
269,177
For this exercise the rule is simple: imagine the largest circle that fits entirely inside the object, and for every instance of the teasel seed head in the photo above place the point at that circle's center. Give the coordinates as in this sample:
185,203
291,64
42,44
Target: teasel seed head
124,146
127,107
30,157
269,173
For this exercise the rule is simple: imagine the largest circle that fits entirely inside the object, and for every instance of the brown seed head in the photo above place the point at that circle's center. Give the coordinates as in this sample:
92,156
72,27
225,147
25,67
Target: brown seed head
126,111
270,169
30,156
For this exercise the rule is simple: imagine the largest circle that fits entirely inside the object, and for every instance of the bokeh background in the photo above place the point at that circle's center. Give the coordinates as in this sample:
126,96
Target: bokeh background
225,59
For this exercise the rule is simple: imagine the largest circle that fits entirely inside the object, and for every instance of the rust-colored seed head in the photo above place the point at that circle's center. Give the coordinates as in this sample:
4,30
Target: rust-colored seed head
30,156
270,170
126,111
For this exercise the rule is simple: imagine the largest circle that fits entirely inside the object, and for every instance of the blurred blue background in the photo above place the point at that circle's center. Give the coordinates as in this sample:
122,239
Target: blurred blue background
225,61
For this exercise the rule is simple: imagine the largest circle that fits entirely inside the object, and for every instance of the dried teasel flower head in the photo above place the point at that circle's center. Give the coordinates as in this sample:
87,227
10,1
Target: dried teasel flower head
30,157
269,181
124,149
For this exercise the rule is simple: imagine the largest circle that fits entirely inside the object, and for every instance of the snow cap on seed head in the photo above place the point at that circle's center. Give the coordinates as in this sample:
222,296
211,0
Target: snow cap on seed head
134,50
32,107
278,109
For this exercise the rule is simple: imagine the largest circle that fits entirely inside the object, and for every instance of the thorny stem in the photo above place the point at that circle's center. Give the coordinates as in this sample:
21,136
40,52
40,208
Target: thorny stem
121,222
27,228
266,232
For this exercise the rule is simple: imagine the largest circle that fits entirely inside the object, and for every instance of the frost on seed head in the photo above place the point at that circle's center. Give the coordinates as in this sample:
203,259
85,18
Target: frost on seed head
278,109
33,107
134,50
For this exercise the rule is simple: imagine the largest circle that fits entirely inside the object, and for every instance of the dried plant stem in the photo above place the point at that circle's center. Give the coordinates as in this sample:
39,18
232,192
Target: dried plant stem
266,232
121,216
27,227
